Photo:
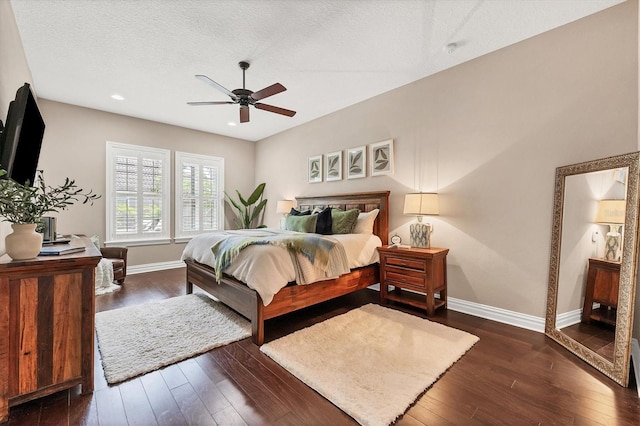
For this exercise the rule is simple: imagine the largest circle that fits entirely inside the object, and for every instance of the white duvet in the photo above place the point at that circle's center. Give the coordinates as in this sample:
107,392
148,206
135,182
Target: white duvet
268,268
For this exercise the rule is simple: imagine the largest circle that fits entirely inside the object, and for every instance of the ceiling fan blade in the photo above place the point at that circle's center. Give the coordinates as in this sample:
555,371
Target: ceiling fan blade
244,113
274,89
275,109
210,82
211,103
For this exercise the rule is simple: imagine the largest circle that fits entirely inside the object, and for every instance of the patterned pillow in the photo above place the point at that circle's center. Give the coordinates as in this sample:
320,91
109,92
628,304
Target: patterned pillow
306,223
343,222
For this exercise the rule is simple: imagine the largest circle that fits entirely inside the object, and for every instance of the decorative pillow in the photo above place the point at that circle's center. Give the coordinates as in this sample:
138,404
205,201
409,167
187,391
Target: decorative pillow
343,222
324,224
364,224
295,212
305,223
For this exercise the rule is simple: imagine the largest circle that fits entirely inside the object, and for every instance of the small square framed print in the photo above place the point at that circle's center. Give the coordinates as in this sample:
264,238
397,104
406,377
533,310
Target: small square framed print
356,162
315,169
381,158
333,166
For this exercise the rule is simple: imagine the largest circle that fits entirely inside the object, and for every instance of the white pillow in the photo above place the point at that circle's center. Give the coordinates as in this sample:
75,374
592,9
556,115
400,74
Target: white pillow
364,224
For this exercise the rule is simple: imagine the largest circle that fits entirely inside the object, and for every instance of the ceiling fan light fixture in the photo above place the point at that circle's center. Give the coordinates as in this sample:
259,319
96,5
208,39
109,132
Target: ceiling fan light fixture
245,97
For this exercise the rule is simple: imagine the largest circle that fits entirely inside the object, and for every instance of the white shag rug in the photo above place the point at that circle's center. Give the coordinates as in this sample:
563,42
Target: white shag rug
372,362
142,338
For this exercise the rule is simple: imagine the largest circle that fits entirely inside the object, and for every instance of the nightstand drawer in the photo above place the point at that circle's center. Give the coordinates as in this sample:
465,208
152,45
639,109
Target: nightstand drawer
396,277
404,262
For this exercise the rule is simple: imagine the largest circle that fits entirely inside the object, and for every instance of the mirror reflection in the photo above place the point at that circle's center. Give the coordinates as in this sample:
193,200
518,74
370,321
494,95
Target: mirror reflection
593,262
594,209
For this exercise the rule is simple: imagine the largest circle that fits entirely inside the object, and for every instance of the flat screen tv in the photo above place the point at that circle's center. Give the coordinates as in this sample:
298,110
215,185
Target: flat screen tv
21,138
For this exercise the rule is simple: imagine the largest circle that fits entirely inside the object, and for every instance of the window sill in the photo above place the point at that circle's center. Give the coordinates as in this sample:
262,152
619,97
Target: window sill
131,243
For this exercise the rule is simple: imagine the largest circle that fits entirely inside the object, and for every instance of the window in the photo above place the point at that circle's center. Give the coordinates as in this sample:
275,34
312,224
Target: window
138,189
199,194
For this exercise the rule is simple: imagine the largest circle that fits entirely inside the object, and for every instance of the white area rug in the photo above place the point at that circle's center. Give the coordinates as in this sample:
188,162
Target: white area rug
372,362
142,338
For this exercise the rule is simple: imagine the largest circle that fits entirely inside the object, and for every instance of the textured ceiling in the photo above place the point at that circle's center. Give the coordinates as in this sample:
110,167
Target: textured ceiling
329,54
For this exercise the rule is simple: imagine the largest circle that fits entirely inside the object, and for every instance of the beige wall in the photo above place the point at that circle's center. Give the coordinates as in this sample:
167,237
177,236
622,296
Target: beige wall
74,145
487,135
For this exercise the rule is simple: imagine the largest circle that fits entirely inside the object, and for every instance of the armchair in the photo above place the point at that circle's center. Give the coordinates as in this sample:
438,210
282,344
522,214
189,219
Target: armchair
118,257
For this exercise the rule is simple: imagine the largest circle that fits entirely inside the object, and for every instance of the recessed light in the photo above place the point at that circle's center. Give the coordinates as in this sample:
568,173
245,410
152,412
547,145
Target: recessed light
231,123
117,97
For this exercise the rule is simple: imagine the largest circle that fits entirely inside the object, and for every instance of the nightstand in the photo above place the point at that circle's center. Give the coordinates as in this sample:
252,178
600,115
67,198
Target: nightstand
603,280
418,270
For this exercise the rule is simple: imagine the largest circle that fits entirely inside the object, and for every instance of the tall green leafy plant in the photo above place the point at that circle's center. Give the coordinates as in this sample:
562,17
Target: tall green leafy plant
248,211
28,204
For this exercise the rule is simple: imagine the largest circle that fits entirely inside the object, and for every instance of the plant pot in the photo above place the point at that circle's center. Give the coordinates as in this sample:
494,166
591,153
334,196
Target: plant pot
24,242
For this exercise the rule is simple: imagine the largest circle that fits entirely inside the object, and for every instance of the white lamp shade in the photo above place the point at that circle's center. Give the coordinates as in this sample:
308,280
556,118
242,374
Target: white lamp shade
611,211
284,206
421,204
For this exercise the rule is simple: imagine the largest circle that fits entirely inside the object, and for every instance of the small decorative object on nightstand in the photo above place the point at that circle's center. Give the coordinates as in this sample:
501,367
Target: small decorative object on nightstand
421,270
419,205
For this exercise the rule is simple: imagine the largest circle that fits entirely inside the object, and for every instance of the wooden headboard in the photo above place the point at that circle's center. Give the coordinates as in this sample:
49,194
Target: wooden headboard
365,201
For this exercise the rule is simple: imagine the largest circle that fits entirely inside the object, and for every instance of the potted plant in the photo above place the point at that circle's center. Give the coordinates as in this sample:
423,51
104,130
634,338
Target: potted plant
247,212
24,207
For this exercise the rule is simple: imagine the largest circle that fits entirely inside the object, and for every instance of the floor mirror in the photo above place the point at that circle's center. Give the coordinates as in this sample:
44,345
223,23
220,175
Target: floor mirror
593,262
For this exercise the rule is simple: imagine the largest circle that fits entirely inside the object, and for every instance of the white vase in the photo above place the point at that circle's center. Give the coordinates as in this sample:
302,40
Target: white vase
24,242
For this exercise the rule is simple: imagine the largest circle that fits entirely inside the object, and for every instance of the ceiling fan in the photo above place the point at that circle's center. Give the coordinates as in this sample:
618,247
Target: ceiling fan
246,97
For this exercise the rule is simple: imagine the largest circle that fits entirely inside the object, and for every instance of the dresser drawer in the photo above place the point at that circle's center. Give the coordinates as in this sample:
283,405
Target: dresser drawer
404,262
399,278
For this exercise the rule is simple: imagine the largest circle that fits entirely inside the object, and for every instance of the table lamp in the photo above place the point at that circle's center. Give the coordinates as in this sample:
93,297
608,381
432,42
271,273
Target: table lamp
284,207
612,212
421,204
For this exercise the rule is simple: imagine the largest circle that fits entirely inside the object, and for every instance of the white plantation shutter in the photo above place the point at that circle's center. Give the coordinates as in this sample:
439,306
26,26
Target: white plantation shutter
138,189
199,194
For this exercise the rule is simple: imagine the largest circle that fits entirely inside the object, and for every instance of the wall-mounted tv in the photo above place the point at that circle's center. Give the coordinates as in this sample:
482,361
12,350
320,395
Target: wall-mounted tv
21,138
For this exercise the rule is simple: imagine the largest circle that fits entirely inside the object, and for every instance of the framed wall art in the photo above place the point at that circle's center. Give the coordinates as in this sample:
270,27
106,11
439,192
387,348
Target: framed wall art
315,169
356,162
333,166
381,158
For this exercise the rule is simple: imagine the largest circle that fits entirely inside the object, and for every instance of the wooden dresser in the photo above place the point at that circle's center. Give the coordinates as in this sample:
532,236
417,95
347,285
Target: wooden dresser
603,281
47,310
417,269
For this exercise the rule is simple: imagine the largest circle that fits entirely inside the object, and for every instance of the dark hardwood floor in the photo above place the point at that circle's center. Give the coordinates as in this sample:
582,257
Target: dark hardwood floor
511,376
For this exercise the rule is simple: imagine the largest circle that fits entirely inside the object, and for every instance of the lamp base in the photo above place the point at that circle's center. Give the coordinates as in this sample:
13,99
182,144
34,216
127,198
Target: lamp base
420,235
612,246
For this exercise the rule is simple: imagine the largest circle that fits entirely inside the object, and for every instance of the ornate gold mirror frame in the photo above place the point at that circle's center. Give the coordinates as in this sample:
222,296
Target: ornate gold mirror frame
617,367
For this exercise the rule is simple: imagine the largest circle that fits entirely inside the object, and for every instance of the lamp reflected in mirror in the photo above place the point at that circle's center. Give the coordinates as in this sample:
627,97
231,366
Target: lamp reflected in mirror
421,204
611,212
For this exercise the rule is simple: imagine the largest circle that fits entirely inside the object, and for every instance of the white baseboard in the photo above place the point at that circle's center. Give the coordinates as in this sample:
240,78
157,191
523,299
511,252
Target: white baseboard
516,319
150,267
569,318
635,359
504,316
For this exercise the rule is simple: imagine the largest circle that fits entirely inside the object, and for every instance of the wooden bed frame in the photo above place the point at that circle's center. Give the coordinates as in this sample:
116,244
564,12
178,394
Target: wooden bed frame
247,302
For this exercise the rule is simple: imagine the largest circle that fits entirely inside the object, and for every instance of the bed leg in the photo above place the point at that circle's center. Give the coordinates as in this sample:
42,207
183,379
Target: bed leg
189,287
257,332
257,322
